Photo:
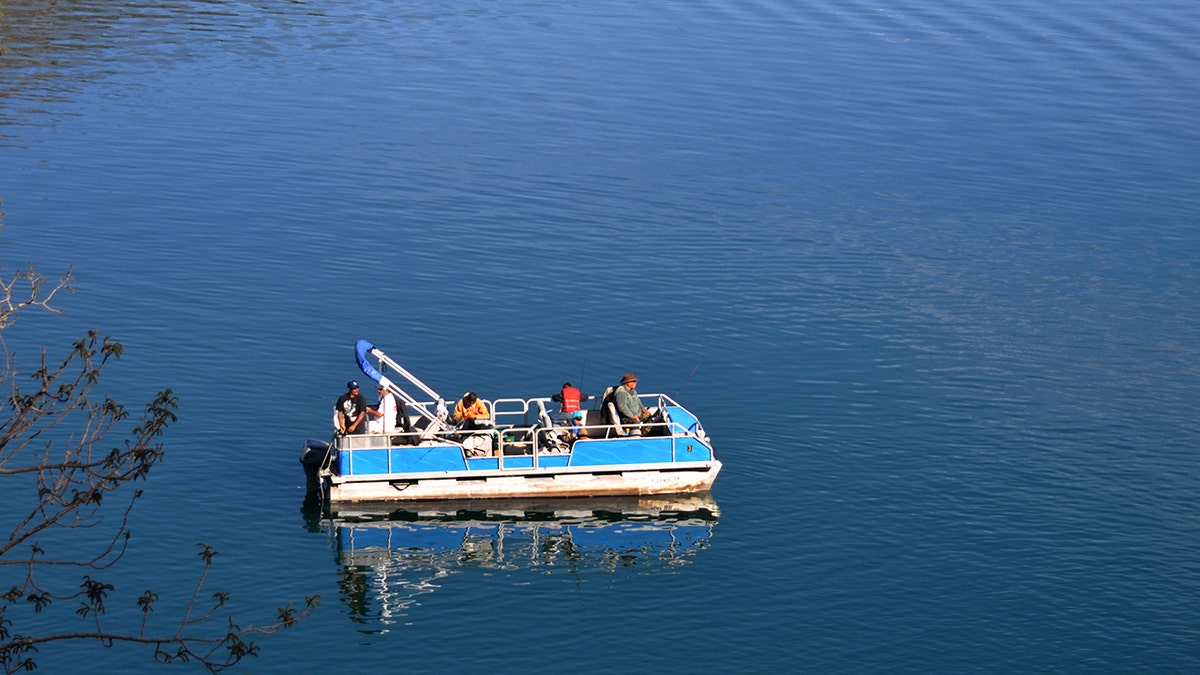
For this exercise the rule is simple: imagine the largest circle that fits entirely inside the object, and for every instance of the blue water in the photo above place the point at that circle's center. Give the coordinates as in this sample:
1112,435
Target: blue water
928,272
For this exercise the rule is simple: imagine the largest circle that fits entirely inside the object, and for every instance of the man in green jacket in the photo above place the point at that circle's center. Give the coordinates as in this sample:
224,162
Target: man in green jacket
629,404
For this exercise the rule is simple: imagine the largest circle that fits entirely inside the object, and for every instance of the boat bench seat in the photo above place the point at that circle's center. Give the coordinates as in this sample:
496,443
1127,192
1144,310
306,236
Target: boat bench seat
594,422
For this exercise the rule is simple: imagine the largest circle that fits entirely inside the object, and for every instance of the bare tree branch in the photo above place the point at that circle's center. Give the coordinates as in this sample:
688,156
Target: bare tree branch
53,432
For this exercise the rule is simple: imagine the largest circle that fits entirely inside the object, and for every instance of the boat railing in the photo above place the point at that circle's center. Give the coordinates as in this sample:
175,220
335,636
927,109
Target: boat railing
524,427
532,439
510,411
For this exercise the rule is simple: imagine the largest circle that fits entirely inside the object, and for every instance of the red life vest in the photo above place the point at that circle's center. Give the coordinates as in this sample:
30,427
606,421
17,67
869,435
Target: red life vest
570,399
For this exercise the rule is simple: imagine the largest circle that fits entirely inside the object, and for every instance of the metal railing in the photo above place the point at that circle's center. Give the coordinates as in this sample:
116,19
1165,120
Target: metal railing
511,429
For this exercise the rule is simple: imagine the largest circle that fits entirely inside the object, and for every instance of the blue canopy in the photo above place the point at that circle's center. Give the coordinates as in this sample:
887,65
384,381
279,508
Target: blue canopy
361,349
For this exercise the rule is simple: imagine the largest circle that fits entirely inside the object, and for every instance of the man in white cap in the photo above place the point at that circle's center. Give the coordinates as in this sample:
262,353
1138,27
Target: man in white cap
385,412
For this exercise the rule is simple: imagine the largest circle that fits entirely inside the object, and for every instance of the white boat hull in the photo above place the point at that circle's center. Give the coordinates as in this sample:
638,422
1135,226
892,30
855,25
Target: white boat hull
676,478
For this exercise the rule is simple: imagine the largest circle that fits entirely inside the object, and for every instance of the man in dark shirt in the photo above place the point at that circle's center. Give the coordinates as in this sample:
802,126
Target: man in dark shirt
351,410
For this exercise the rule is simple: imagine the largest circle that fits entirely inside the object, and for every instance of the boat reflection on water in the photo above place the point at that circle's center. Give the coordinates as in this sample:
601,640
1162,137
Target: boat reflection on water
391,554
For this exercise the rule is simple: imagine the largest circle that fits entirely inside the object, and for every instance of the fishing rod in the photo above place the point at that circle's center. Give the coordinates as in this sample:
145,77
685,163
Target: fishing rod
685,380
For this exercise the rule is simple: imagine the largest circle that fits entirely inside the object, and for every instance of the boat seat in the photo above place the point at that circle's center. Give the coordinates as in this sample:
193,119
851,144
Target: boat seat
594,423
426,428
615,419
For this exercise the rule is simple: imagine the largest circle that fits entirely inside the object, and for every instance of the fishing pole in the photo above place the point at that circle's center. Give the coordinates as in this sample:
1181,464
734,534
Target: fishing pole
685,380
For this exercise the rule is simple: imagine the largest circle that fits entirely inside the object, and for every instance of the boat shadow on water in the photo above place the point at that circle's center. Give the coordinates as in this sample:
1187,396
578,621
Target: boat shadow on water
389,555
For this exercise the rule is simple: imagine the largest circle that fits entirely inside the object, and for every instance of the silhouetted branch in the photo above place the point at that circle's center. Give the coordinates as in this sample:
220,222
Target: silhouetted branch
52,445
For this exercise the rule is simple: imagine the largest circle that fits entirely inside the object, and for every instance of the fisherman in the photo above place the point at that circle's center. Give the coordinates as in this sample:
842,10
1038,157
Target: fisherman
350,411
629,404
569,399
472,413
385,412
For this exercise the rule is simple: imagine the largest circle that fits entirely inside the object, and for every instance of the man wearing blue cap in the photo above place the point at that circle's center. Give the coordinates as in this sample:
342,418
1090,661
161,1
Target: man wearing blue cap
351,411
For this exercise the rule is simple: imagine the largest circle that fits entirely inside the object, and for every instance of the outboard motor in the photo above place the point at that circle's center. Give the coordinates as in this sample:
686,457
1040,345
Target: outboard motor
315,453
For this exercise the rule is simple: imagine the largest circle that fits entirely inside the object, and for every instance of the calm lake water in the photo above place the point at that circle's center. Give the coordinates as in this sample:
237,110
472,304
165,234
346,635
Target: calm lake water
928,272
